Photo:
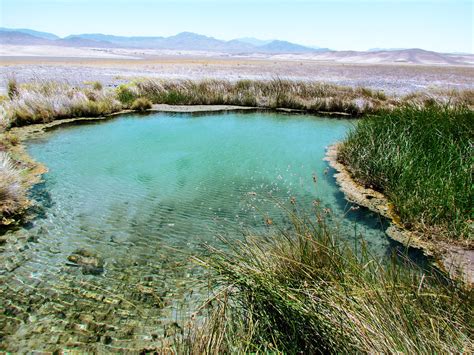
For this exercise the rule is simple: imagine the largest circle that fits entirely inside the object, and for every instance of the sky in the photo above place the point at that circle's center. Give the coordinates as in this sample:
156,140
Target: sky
439,25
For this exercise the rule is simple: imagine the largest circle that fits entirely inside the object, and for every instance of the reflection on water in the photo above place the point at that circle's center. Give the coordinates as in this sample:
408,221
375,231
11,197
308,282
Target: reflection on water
139,195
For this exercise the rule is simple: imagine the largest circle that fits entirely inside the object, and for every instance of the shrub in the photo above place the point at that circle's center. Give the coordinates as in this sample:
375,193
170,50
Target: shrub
141,104
125,94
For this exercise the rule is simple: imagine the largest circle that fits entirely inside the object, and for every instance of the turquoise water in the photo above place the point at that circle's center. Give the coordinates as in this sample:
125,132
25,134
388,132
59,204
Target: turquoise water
144,193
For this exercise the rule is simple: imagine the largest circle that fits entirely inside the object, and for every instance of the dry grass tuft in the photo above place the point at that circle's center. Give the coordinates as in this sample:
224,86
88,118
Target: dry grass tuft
12,193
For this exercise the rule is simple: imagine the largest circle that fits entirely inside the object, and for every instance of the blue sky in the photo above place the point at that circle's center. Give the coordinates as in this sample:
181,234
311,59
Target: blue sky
441,25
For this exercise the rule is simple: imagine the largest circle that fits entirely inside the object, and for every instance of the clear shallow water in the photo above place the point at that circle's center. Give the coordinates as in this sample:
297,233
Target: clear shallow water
144,193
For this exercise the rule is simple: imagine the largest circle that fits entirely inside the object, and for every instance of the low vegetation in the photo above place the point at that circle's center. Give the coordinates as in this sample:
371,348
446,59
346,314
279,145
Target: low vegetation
303,289
315,97
421,159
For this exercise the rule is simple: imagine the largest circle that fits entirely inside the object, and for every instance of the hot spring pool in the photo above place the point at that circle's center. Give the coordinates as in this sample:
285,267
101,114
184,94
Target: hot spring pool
144,193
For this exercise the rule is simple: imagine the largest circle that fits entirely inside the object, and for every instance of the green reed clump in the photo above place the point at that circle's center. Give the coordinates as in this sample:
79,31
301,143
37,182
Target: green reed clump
304,290
421,159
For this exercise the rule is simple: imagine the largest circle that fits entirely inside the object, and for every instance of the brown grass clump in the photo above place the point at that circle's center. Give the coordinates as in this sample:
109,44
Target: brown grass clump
12,193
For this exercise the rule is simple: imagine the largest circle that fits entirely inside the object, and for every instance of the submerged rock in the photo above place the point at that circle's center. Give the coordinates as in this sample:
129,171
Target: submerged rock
90,262
92,270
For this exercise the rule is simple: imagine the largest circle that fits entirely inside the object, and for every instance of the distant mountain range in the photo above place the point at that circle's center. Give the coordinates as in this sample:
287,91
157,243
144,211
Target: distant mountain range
181,41
14,42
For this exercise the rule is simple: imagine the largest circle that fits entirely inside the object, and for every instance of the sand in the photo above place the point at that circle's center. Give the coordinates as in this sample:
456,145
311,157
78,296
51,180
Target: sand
115,66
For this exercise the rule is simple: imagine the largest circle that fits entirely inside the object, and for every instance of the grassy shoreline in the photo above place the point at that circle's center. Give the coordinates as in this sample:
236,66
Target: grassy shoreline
41,102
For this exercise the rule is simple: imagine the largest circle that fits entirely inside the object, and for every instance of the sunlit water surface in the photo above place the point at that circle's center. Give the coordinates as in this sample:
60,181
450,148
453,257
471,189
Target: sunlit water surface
144,193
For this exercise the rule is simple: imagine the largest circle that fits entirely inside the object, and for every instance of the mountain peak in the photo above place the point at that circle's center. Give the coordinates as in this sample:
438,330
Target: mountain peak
188,35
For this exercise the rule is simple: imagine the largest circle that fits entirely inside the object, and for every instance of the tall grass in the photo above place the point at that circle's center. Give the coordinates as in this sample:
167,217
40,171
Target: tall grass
303,290
421,159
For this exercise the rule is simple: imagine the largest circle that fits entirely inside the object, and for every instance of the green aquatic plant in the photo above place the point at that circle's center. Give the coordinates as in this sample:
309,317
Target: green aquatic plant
421,159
